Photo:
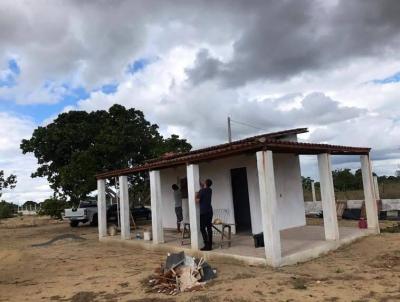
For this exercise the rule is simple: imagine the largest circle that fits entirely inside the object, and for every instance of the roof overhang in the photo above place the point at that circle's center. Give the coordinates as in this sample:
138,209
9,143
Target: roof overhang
254,144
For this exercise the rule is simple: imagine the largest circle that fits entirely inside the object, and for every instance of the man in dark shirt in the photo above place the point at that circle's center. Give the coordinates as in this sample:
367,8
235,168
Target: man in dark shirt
206,214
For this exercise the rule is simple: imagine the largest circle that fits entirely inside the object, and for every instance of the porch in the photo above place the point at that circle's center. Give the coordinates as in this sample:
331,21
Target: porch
298,245
274,200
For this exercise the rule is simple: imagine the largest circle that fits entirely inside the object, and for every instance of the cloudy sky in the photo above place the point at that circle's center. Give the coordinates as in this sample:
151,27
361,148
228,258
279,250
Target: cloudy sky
332,66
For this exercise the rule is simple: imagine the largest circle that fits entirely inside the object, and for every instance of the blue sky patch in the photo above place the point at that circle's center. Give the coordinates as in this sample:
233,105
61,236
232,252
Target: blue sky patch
14,67
109,88
391,79
139,65
40,112
8,77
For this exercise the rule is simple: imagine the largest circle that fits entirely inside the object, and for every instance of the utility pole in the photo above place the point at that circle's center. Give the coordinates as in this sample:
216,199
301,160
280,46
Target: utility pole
229,130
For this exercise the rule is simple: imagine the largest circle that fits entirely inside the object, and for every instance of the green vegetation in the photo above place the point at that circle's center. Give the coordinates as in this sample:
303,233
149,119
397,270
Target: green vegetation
7,182
78,144
6,210
53,207
348,185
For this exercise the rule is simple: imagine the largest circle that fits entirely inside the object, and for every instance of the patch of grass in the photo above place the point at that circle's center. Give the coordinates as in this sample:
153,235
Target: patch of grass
202,298
387,261
243,276
124,284
391,229
332,299
237,300
260,293
390,298
153,300
84,297
299,283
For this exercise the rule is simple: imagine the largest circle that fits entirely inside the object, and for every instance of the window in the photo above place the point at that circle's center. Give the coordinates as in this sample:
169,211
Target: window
184,188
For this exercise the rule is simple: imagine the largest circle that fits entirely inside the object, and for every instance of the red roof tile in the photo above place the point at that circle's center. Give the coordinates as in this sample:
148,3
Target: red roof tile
267,141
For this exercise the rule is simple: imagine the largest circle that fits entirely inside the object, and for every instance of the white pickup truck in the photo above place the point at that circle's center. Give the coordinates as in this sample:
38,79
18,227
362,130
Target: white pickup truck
86,212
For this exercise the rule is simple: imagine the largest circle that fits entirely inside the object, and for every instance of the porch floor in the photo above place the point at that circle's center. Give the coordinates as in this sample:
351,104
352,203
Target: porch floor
293,241
298,244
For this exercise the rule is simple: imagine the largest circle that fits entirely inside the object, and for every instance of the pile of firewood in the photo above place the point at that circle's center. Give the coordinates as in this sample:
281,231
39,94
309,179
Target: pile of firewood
182,277
162,282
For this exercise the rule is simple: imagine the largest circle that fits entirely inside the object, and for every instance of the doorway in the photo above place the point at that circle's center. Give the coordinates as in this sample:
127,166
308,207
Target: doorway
241,205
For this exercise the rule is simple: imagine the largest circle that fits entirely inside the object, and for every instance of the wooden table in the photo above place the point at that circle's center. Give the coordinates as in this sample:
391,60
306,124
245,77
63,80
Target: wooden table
225,237
226,233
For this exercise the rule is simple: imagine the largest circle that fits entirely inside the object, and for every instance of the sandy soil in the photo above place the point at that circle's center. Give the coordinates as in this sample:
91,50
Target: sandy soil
87,270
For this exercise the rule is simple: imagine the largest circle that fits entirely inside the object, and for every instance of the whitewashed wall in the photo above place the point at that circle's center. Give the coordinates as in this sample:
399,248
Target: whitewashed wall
291,210
289,190
168,178
390,204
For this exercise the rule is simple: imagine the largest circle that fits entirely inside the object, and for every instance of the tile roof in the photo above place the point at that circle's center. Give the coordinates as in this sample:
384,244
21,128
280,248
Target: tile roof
268,141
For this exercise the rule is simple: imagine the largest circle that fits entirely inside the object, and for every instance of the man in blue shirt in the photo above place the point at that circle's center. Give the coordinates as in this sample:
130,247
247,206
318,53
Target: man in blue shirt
206,214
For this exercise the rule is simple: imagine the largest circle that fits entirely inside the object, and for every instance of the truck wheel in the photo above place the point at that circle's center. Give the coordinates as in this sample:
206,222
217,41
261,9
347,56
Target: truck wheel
74,223
94,220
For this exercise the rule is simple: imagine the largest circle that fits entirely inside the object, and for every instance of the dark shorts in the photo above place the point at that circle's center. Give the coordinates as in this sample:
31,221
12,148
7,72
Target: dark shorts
179,215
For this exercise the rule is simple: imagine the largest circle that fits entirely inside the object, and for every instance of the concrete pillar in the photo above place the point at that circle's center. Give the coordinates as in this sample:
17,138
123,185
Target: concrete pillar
193,183
156,207
376,188
101,208
369,194
314,197
124,208
328,197
269,207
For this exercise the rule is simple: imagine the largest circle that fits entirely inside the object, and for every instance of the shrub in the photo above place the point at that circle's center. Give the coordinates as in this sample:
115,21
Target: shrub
5,211
53,207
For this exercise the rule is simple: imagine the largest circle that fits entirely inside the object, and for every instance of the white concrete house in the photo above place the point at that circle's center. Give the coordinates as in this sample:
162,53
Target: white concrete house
257,185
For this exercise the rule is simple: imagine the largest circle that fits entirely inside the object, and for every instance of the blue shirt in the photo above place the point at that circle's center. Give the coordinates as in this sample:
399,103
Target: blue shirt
205,200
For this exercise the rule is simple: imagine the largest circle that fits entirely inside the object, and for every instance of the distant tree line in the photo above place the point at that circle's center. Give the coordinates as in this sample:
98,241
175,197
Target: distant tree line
344,180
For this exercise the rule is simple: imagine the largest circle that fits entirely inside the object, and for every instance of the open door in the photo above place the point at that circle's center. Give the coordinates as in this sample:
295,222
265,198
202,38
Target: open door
241,205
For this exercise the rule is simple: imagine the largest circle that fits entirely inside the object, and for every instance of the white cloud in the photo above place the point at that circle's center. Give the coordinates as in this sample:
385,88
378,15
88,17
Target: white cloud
199,112
13,129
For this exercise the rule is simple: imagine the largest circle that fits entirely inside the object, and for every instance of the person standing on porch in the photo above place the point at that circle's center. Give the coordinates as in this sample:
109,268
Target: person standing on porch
206,214
178,206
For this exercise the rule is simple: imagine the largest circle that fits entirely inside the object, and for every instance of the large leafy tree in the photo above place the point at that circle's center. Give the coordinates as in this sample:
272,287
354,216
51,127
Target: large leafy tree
78,144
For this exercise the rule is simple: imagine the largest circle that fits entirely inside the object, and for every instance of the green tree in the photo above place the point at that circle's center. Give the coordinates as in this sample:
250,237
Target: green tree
306,183
6,209
79,144
7,182
30,203
53,207
343,179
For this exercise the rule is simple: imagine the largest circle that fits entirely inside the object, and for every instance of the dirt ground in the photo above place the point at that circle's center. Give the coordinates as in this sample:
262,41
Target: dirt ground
87,270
